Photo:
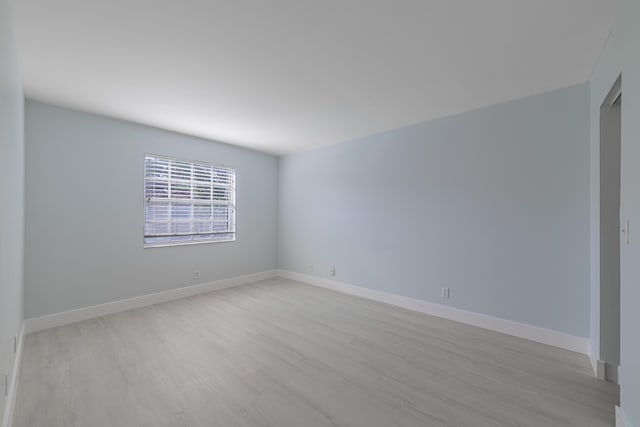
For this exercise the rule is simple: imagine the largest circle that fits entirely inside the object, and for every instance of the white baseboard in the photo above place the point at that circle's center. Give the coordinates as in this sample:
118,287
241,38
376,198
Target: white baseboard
621,418
596,365
601,370
521,330
77,315
10,403
611,372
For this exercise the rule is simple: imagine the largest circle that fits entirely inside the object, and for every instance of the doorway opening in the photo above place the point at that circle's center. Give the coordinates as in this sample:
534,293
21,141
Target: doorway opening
610,232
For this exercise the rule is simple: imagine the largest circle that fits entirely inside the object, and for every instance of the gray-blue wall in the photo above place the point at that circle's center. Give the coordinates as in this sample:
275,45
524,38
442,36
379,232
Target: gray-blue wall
493,204
84,212
11,197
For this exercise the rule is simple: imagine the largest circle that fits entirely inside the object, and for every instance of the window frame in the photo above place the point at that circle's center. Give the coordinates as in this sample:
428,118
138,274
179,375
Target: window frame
191,242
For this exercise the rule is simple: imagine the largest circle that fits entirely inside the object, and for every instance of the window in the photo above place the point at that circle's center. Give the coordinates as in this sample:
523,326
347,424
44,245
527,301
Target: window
187,202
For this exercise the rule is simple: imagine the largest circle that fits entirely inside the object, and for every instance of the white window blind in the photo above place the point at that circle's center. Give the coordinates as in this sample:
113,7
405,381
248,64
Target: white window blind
187,202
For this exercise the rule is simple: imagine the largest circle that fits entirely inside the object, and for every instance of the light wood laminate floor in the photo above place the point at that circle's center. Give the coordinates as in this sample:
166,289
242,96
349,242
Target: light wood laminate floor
280,353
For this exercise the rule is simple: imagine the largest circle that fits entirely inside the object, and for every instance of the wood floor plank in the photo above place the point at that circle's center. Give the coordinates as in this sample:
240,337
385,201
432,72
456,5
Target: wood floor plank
280,353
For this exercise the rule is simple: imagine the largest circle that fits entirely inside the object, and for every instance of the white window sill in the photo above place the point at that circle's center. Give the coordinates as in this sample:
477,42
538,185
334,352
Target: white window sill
164,245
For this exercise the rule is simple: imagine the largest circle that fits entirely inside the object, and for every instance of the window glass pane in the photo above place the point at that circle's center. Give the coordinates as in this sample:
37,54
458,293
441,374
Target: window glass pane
180,211
222,194
181,227
202,213
202,173
156,189
155,228
202,192
158,212
222,219
180,190
203,227
156,168
222,176
180,170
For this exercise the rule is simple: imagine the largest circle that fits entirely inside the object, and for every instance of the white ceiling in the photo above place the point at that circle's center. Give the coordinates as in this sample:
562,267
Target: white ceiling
287,75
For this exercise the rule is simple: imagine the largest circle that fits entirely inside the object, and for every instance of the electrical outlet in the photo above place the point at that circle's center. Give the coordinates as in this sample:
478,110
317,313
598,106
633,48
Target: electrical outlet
444,293
15,345
310,268
332,272
196,274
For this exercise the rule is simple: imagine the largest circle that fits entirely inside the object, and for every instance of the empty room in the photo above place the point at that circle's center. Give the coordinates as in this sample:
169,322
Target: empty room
357,213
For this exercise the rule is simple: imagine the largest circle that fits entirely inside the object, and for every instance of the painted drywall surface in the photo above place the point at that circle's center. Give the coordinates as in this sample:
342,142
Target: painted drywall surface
84,212
621,56
11,196
493,204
